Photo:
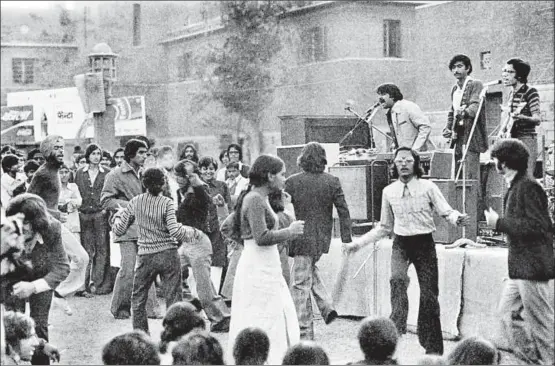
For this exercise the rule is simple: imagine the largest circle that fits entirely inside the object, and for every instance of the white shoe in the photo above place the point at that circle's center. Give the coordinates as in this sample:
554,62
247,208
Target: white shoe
63,304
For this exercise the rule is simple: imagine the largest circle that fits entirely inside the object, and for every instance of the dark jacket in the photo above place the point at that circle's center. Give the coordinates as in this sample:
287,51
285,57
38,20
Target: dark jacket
529,231
313,196
192,209
90,192
471,98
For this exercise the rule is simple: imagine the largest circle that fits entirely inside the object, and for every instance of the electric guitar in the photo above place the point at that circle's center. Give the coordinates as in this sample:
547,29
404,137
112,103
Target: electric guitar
507,125
457,129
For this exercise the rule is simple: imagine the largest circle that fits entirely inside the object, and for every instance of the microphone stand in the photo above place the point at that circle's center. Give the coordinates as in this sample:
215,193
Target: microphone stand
370,125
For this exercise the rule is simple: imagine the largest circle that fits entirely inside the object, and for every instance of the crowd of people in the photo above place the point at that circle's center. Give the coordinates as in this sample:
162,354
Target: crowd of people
139,222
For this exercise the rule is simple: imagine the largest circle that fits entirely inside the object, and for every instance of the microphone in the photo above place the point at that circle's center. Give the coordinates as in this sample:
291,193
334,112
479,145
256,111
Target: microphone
377,104
495,82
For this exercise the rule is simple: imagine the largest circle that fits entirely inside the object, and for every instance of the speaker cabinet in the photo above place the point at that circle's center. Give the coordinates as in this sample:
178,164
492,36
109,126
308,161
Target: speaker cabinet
445,232
296,130
289,155
363,186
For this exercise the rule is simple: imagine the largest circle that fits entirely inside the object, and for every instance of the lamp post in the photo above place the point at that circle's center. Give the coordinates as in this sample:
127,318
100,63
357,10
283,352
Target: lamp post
102,59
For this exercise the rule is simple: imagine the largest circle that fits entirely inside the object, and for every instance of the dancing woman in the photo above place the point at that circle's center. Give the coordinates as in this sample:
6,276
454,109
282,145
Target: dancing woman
261,297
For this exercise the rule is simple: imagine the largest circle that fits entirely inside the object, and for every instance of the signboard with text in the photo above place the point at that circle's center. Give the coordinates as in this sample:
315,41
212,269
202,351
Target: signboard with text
18,125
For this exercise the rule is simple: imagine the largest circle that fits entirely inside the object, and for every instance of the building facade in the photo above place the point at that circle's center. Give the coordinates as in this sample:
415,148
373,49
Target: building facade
334,51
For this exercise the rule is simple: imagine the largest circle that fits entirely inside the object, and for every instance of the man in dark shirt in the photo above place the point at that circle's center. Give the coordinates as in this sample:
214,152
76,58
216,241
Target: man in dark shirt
531,262
314,193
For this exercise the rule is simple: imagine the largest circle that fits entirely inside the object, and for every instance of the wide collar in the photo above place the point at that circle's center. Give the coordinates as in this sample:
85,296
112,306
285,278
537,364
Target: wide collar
101,169
126,167
37,239
412,186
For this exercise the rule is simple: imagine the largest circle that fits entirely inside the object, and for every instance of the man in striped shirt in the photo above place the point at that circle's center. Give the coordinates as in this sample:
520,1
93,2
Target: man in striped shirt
515,75
408,205
159,237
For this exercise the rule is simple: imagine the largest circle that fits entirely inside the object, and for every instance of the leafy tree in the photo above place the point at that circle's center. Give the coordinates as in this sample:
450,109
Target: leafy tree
240,73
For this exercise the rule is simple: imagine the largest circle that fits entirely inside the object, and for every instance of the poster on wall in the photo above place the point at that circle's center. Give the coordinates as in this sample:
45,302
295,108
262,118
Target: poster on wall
18,125
70,121
130,116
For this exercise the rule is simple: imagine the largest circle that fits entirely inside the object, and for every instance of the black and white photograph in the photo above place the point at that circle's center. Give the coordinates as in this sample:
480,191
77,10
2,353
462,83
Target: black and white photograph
281,182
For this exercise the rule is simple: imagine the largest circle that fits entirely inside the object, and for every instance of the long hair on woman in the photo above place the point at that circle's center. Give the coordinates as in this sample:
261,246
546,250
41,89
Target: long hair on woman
258,176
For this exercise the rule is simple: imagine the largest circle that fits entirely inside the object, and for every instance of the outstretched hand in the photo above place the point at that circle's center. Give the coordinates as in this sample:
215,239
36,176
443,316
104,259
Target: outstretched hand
463,220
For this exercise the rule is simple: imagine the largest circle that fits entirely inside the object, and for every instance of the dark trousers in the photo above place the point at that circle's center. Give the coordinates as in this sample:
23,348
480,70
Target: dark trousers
123,287
419,250
168,266
39,305
94,227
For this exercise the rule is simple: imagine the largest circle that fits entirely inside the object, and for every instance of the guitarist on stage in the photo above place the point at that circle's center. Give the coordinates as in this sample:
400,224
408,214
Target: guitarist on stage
465,97
515,74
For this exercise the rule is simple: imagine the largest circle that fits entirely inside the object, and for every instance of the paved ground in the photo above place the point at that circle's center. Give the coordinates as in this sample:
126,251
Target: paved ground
80,337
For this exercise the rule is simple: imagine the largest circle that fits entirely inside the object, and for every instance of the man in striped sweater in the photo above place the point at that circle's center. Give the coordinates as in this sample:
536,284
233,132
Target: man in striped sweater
515,74
159,237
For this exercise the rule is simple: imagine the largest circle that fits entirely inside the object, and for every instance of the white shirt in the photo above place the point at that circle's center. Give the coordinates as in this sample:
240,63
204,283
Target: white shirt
458,94
412,214
8,184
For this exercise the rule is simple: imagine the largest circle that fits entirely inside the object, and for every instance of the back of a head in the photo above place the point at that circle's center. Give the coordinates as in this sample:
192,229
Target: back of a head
474,351
181,319
198,348
312,158
377,338
132,348
251,347
306,353
431,360
154,180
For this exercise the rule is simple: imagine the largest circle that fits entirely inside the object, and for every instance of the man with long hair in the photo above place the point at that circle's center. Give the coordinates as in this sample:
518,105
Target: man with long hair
314,193
529,233
408,205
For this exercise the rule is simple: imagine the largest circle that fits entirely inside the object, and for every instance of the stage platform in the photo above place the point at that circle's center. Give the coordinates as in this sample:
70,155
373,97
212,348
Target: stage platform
470,285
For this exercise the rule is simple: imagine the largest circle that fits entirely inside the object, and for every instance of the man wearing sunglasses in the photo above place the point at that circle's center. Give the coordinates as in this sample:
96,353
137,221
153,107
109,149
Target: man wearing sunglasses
408,205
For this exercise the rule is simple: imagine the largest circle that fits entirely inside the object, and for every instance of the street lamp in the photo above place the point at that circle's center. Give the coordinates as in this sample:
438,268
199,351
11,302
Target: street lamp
102,59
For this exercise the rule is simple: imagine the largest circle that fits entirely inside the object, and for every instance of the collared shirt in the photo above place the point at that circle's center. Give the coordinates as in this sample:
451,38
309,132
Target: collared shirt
412,214
411,124
458,94
510,176
529,96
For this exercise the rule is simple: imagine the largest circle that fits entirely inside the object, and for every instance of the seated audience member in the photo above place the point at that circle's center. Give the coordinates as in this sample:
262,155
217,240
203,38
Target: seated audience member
377,338
198,348
181,319
474,351
306,353
431,360
21,339
252,346
132,348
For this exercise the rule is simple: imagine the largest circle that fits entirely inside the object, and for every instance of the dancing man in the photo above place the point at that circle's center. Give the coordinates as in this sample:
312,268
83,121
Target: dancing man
400,112
408,205
515,74
313,195
529,233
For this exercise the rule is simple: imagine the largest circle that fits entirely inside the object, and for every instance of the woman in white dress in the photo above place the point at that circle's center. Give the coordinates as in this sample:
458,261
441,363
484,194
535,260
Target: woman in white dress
261,297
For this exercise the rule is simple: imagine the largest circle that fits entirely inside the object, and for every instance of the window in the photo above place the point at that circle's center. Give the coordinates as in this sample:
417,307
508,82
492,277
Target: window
184,66
23,70
392,38
313,45
136,24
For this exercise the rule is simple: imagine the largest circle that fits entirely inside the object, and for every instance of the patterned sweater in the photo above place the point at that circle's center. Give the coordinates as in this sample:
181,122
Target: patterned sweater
158,226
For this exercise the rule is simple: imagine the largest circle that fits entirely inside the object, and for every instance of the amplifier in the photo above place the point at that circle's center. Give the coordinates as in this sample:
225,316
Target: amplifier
445,232
363,186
